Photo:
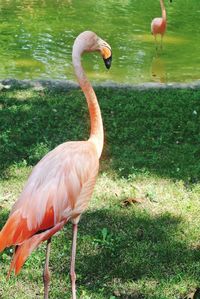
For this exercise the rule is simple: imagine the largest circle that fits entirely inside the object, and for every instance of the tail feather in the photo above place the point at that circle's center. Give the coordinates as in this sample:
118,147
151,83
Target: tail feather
7,233
15,231
24,250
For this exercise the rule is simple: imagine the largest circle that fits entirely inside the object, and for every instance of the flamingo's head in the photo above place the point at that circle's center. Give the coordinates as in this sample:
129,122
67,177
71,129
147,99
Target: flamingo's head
106,52
89,41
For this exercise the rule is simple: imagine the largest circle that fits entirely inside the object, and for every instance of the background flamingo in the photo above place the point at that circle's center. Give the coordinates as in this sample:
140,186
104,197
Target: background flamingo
61,184
158,25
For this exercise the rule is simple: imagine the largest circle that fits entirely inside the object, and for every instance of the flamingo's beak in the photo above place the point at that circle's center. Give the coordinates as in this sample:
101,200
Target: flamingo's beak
106,54
108,61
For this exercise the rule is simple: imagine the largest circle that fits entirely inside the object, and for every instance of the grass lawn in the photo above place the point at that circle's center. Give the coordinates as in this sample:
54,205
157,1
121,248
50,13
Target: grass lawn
149,249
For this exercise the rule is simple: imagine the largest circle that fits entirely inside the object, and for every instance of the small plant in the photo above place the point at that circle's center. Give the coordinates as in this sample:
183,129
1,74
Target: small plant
151,196
105,241
84,295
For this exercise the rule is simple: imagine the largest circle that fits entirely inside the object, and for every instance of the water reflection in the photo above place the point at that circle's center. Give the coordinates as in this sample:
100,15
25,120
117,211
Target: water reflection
158,70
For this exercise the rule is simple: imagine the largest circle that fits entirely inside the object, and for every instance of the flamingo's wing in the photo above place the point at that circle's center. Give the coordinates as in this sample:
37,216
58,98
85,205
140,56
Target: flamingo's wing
57,190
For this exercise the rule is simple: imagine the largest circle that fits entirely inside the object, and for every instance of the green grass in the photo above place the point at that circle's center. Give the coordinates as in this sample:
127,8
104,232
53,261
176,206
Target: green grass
152,152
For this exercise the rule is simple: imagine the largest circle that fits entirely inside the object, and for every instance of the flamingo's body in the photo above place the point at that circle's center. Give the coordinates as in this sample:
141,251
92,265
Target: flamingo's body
61,184
57,190
159,25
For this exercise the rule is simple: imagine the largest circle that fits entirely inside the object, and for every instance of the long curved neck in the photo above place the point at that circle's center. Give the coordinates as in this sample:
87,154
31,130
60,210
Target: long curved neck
96,131
164,16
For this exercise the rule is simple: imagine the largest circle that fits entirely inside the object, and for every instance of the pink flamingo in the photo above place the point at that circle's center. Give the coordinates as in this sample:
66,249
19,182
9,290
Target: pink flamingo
158,25
61,184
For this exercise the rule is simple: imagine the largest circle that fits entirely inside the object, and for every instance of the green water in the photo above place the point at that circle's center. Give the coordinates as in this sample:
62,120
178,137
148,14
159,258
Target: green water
36,38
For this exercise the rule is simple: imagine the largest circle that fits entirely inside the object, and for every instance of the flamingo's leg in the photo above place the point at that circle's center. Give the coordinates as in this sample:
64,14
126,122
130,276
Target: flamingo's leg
46,273
73,257
156,43
161,42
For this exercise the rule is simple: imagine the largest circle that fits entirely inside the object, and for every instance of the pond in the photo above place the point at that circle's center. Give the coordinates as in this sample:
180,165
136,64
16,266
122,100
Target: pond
36,38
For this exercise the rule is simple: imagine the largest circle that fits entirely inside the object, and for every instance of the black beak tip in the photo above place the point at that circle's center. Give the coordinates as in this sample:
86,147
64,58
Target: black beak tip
108,62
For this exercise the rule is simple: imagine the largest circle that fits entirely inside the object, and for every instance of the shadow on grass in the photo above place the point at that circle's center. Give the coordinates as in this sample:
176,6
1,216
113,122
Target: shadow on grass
153,131
137,258
138,250
32,123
